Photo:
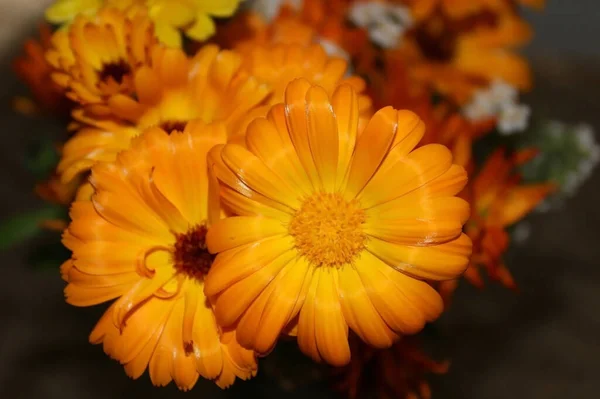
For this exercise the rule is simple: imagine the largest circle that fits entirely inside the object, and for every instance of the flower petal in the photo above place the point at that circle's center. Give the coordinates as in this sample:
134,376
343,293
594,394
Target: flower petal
322,136
240,230
437,262
371,149
359,312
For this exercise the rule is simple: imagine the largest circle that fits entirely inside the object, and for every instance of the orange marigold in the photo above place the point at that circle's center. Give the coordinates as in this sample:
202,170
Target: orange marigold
323,242
97,56
394,373
141,241
498,201
35,71
171,91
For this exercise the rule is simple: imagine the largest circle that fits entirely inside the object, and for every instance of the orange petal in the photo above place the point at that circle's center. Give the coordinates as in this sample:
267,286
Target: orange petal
437,262
322,136
359,312
371,149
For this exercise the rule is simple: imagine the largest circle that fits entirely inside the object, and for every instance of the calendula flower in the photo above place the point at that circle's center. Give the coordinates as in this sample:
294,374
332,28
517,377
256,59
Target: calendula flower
498,201
141,242
98,56
395,373
458,56
390,84
170,91
457,9
194,18
33,69
322,240
277,65
315,21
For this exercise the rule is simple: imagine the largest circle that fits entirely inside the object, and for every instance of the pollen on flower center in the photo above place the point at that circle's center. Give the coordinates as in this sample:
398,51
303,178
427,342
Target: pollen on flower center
191,255
115,70
328,230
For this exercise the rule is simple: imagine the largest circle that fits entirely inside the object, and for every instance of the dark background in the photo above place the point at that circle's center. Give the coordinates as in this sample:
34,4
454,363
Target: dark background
542,342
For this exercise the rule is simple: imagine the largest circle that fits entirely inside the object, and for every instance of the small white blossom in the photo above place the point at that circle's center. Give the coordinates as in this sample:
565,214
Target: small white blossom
513,118
500,101
503,93
482,106
269,9
386,23
585,136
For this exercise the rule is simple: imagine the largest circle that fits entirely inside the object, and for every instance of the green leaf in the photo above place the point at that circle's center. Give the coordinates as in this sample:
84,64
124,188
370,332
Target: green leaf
43,159
26,225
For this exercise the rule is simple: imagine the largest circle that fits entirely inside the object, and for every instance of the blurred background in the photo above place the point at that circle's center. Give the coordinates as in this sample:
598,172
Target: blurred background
541,342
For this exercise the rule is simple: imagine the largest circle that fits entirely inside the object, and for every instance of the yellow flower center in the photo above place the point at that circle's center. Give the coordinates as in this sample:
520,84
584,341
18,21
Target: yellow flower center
191,255
328,230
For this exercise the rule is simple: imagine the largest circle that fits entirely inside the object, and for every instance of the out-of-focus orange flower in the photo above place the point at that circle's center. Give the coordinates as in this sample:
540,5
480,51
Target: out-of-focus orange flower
455,56
395,373
97,57
316,22
390,84
457,9
278,64
33,69
498,200
175,89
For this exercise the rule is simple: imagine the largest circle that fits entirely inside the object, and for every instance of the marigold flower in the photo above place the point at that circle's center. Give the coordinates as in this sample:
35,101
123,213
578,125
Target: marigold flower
322,240
498,201
277,65
97,57
171,91
194,17
141,241
33,69
394,373
457,56
463,8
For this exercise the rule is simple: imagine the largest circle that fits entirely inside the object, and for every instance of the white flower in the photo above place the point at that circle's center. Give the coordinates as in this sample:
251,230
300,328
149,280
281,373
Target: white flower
585,136
500,101
269,9
503,93
513,118
386,23
482,106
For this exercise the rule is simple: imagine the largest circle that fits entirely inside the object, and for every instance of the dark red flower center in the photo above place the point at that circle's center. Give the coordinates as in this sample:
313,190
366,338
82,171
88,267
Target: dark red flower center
191,255
171,125
114,70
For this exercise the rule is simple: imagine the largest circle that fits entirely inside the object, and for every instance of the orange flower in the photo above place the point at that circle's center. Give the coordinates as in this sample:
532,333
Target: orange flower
394,373
279,64
457,56
390,84
323,242
316,22
33,69
141,241
171,91
96,57
498,201
456,9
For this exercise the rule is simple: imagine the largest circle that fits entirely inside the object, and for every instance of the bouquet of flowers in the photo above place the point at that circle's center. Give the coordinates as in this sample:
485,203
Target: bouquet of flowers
239,174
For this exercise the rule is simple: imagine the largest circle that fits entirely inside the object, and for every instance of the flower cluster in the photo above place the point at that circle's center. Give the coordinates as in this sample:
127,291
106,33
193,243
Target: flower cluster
298,169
